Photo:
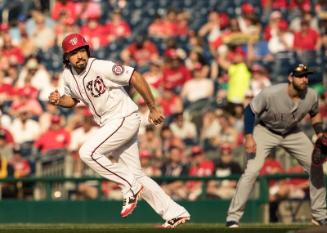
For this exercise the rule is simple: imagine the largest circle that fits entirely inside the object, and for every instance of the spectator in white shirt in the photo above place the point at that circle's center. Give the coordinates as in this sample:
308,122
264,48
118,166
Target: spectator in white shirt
184,129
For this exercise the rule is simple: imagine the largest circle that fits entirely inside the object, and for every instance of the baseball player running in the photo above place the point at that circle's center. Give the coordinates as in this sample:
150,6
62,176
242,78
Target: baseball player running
278,109
99,85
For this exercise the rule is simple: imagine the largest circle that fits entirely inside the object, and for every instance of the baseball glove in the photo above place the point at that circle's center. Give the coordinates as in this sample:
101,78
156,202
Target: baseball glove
319,154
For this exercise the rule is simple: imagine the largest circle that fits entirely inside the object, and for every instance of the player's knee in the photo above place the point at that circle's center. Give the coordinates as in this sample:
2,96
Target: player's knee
85,153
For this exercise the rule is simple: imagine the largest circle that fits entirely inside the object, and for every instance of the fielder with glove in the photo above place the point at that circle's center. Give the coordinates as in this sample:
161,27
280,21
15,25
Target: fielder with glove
271,120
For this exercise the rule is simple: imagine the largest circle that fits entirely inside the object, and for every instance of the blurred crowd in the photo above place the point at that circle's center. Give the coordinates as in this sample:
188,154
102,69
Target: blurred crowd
205,60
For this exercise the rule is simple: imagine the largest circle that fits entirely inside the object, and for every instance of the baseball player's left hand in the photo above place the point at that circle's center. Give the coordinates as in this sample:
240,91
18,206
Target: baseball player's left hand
156,117
319,154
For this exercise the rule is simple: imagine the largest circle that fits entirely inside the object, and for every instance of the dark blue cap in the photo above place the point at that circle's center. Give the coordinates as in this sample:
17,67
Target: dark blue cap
300,70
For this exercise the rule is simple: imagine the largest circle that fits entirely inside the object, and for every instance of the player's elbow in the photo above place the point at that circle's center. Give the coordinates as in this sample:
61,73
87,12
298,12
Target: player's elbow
135,78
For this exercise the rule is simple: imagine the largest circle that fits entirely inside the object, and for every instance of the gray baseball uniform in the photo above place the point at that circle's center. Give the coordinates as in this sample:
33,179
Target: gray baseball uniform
277,125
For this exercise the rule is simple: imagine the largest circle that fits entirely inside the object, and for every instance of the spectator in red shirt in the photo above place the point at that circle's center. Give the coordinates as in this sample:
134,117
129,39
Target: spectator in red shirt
157,28
175,74
86,9
6,135
182,29
22,167
6,90
117,27
307,39
64,7
306,43
141,53
200,166
26,101
170,102
27,90
175,23
13,53
55,138
94,33
154,75
171,23
271,166
299,5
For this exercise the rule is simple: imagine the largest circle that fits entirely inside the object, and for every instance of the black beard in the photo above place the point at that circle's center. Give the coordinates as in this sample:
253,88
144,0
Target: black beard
300,90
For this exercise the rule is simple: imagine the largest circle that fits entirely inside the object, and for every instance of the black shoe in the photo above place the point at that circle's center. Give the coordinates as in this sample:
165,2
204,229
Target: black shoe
319,222
232,224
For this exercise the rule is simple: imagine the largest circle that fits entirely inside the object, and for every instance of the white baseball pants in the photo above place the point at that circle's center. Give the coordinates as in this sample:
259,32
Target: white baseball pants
119,138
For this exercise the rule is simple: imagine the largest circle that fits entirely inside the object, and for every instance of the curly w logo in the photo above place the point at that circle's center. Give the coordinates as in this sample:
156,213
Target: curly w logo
74,41
96,87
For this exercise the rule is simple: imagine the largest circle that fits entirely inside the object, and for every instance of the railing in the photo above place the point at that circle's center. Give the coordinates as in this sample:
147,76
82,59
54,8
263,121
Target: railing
47,183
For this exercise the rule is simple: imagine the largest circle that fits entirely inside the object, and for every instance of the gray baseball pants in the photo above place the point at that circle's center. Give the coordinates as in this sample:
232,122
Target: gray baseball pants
297,145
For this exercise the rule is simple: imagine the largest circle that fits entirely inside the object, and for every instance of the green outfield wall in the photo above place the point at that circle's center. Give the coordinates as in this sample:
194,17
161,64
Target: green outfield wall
49,210
202,211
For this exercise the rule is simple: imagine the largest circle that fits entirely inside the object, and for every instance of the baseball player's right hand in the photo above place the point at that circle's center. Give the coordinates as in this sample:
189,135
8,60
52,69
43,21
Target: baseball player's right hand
250,145
54,97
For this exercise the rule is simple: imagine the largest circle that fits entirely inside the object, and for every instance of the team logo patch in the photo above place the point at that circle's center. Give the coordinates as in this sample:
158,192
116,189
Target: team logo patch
118,69
73,41
96,87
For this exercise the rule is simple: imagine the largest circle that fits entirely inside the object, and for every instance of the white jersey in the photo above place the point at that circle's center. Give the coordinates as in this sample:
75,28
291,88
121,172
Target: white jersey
100,87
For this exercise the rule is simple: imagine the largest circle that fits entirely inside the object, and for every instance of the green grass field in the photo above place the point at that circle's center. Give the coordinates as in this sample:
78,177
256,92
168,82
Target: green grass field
144,228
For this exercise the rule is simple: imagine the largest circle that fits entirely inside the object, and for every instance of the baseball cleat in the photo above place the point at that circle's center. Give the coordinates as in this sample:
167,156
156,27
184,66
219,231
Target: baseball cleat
130,203
319,222
232,224
174,222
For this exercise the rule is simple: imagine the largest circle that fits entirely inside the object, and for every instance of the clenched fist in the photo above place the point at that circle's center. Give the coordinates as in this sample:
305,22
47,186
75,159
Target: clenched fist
54,97
156,116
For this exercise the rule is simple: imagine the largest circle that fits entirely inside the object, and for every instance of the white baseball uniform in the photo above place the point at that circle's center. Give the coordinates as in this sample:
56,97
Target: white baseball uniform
100,87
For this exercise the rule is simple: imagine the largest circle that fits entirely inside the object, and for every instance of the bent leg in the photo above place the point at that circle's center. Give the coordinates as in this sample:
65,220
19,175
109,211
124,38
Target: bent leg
107,139
265,141
153,194
300,147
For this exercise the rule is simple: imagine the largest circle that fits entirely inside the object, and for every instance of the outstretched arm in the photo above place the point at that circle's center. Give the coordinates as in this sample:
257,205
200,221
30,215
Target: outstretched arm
142,87
63,101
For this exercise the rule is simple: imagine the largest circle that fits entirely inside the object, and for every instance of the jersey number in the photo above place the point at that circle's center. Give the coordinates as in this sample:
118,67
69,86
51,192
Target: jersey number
96,87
